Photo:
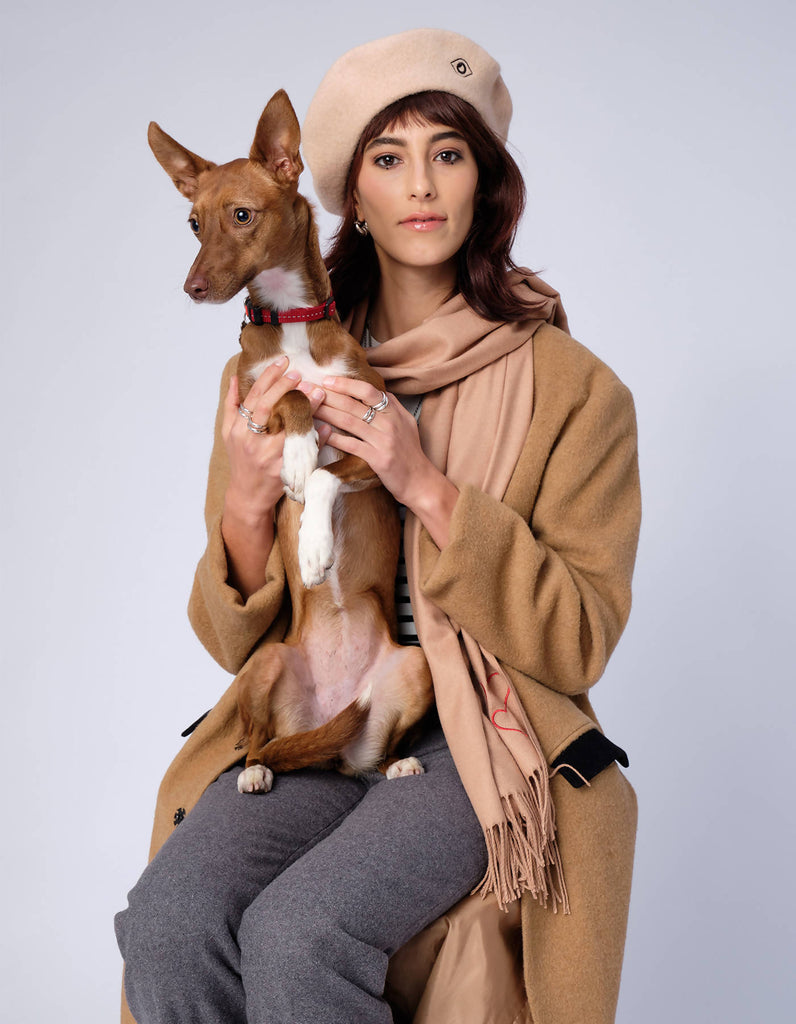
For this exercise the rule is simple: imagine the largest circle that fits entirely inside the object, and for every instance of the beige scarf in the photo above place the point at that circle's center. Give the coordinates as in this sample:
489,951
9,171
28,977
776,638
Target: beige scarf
477,377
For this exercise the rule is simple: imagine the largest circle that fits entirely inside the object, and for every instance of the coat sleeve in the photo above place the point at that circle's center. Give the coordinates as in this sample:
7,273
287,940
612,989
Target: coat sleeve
547,590
228,626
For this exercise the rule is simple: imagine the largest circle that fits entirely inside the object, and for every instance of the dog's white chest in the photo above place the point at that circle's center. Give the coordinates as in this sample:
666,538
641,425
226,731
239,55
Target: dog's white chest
296,346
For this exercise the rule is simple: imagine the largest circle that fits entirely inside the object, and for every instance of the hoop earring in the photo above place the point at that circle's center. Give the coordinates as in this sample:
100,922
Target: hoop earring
361,227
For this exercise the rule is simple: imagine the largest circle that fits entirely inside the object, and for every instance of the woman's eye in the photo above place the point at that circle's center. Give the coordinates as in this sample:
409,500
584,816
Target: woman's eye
194,225
449,156
243,216
386,160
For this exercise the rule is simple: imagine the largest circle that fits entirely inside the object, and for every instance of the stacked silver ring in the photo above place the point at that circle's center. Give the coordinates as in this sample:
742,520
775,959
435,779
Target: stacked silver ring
256,428
373,409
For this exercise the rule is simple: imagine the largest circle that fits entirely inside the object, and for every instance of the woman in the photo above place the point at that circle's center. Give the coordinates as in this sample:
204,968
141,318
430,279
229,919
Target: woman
521,490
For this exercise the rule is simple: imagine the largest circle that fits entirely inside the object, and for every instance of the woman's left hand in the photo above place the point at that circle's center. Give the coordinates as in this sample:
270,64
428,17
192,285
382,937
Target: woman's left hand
390,444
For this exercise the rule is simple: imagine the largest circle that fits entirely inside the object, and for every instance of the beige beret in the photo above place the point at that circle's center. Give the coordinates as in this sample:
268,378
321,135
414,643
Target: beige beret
368,78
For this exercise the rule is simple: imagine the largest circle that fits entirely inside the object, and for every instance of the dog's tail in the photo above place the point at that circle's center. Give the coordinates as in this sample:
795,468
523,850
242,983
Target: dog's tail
326,743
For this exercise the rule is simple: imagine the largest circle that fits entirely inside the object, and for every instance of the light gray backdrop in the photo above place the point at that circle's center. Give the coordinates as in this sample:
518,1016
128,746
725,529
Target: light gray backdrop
657,141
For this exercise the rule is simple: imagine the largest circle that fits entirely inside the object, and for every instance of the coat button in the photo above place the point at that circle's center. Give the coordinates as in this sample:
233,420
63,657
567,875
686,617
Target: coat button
179,814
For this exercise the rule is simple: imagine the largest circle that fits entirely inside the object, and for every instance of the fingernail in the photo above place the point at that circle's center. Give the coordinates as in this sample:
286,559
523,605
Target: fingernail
293,375
319,395
304,386
280,361
328,381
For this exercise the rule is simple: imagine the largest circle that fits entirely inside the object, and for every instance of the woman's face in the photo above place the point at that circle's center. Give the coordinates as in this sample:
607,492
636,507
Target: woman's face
416,190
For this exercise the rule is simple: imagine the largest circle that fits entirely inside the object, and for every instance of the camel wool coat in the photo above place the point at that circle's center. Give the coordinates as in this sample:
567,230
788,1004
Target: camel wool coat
541,580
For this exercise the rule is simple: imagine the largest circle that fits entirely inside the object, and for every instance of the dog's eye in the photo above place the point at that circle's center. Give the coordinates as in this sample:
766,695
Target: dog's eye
243,216
194,223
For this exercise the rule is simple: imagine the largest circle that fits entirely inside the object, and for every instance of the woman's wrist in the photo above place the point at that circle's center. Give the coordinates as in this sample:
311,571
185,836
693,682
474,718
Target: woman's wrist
248,535
433,500
248,514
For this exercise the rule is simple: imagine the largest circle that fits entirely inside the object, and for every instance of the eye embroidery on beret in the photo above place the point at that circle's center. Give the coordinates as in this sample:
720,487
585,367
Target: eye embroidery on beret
461,67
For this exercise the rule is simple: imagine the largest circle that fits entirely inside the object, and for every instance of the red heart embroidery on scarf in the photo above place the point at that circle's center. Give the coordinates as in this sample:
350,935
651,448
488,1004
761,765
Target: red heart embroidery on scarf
503,710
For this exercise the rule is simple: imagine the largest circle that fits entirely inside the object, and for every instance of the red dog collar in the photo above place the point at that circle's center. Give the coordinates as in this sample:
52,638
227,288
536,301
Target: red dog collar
261,315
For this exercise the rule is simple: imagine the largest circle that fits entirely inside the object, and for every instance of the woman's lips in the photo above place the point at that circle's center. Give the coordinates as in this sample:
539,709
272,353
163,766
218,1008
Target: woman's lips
423,222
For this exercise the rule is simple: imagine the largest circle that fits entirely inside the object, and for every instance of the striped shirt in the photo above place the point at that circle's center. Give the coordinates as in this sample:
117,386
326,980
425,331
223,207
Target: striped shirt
407,631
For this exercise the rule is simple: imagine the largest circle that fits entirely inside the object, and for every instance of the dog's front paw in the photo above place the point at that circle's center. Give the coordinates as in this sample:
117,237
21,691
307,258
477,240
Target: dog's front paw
255,779
315,553
406,766
315,539
299,461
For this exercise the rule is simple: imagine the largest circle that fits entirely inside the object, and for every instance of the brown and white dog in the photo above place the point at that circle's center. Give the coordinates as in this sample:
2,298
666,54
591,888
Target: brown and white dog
339,692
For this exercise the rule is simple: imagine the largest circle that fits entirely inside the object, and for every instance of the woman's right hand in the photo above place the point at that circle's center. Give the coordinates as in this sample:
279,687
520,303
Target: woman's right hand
255,460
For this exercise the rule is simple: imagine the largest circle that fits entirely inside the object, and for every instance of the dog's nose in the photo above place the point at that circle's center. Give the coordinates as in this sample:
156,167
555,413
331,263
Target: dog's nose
197,287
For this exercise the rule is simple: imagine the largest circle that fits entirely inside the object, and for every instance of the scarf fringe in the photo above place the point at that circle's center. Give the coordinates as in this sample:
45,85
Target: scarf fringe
523,851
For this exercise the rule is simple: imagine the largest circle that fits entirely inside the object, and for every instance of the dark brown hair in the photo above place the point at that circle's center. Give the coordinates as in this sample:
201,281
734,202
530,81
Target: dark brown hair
485,255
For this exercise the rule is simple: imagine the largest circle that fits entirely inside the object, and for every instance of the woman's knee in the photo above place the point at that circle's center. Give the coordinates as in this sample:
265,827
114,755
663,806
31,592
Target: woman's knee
181,960
168,919
300,961
285,934
276,933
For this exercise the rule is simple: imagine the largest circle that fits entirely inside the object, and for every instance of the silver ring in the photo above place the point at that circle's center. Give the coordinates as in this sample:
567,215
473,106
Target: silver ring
373,409
256,428
245,413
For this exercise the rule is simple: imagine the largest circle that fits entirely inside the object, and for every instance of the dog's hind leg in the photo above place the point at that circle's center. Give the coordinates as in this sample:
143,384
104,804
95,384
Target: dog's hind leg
262,717
418,696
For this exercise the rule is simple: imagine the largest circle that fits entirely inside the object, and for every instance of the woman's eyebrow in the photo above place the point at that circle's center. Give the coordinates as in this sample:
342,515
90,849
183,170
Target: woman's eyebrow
389,140
440,136
385,140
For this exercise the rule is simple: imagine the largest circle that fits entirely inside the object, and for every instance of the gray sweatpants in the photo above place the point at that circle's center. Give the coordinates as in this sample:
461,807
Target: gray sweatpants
283,908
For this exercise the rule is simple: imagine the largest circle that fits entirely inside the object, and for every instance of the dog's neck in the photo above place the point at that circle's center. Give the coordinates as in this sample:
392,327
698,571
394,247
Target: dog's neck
300,279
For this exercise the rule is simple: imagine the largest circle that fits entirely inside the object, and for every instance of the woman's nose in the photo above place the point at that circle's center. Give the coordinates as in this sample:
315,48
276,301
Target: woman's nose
422,185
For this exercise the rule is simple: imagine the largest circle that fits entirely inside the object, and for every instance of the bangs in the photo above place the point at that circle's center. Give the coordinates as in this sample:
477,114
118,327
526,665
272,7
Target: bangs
431,108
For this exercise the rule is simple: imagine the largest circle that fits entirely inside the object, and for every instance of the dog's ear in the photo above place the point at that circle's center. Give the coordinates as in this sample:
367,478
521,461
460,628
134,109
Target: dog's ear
277,139
181,165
